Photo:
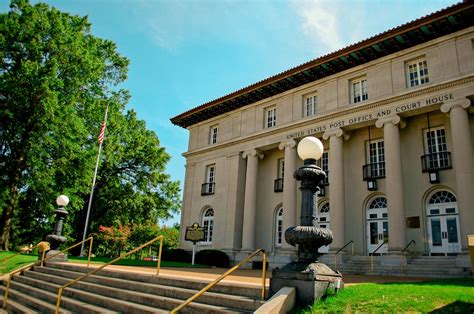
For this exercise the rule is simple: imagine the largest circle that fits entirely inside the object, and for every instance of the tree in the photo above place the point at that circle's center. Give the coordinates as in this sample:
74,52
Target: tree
133,168
56,79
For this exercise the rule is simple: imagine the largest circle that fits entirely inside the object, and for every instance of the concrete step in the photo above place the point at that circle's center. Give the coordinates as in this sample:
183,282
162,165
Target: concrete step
13,306
144,293
30,302
193,284
49,293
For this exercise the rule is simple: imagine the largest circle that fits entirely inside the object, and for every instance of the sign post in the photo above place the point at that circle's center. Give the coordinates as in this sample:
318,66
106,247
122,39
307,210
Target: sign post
194,233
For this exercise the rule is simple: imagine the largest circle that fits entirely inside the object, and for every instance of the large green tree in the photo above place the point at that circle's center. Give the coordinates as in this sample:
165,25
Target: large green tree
56,79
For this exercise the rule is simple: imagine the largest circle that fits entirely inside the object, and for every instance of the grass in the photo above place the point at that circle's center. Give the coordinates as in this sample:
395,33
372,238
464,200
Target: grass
15,262
24,259
440,296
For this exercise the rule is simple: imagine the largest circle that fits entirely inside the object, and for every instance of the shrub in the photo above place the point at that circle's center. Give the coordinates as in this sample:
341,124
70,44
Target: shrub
212,258
175,255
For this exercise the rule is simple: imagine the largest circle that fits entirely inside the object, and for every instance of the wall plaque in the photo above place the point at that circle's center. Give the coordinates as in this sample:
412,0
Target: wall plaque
413,222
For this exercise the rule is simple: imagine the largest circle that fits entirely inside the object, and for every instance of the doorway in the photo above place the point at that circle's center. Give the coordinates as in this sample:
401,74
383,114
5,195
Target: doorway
377,225
443,224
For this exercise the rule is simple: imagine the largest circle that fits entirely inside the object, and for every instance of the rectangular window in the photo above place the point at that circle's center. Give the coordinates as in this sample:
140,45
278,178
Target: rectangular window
376,158
270,117
211,173
323,162
213,132
208,187
310,105
359,90
417,72
436,147
281,168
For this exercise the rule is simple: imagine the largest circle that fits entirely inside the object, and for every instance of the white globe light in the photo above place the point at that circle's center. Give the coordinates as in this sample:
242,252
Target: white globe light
62,200
310,148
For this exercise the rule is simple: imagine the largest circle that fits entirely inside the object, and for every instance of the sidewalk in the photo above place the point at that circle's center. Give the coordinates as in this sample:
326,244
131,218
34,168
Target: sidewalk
252,276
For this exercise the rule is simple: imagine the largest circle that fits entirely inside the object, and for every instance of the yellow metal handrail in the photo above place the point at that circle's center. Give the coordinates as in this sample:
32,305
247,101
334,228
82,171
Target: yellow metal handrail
41,262
405,249
215,282
60,292
372,255
340,250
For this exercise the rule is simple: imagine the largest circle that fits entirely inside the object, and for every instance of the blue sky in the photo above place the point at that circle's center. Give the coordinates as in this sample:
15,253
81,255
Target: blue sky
185,53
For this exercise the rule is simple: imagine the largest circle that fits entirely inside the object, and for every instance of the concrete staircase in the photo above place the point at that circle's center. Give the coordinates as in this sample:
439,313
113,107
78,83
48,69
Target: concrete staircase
115,291
419,266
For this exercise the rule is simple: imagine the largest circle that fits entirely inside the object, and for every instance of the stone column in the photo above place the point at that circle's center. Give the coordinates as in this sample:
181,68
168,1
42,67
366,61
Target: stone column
462,163
250,200
336,186
394,182
289,188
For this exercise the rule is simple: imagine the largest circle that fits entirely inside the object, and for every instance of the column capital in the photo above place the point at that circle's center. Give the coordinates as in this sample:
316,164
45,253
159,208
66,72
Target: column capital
463,103
288,143
394,119
337,133
252,153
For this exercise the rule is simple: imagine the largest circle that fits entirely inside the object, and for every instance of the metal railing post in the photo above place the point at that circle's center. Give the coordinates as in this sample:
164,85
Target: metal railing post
90,252
70,283
41,263
158,265
264,274
216,281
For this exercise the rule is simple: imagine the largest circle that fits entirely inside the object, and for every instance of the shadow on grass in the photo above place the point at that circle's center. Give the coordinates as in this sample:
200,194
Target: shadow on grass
455,307
463,282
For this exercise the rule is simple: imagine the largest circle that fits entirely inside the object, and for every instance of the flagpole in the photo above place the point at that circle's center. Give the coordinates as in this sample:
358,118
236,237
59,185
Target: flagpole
93,182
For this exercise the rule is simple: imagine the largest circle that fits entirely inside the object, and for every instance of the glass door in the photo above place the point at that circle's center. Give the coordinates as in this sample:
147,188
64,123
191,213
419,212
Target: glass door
377,226
443,231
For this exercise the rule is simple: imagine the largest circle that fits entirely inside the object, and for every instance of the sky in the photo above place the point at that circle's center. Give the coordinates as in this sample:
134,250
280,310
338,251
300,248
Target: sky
188,52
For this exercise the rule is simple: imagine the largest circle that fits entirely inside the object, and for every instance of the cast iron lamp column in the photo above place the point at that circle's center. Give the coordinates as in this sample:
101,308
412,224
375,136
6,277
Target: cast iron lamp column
307,235
311,278
56,239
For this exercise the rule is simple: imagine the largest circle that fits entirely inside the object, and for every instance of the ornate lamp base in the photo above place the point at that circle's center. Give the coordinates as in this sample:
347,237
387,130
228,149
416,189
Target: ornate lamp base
311,280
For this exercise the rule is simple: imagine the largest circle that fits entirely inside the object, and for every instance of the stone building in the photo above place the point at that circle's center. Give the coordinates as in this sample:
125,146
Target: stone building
395,116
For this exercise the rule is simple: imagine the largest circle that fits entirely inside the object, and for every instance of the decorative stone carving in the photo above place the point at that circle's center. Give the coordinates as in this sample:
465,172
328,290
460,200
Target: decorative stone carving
394,119
253,153
460,103
289,143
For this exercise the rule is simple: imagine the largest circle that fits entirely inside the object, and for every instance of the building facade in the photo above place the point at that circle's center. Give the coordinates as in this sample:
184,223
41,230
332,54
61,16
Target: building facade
395,115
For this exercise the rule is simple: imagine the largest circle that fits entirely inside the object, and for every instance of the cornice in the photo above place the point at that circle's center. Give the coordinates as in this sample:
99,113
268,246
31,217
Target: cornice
299,124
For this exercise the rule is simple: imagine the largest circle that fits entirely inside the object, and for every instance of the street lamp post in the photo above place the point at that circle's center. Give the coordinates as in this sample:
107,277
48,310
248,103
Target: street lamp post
311,278
56,238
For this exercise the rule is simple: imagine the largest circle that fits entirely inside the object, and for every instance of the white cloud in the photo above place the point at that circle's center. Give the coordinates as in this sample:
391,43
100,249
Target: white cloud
320,22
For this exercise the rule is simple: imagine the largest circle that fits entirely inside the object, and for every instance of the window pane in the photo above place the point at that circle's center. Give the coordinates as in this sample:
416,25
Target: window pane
436,232
452,230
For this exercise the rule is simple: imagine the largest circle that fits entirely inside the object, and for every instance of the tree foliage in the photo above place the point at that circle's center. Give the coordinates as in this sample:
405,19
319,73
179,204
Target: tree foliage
56,78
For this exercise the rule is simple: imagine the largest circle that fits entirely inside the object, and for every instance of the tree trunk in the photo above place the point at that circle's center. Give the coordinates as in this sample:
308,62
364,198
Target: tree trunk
7,214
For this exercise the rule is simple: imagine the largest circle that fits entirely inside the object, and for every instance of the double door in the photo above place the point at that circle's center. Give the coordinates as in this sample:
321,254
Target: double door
443,232
377,230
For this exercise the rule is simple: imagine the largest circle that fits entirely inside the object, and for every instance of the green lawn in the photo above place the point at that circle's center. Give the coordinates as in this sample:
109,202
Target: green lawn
24,259
15,262
441,296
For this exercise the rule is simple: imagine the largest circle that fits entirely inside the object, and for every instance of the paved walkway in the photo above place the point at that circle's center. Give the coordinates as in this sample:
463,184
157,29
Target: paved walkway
250,276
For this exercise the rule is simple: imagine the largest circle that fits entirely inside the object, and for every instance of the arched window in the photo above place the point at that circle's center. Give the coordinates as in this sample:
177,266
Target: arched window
324,208
378,202
441,197
279,227
208,224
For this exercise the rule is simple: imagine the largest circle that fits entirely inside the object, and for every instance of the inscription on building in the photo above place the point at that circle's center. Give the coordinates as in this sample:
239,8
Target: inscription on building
372,115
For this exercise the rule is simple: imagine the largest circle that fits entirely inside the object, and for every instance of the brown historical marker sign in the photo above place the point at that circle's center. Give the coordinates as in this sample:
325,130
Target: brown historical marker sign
194,233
